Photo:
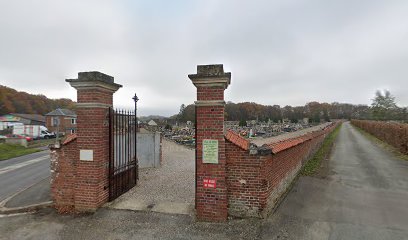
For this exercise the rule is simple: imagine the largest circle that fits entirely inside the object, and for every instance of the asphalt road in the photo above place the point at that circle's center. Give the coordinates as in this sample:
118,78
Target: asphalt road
21,172
364,196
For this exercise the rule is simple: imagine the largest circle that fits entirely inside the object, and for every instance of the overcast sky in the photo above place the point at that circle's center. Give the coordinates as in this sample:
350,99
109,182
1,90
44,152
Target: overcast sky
279,52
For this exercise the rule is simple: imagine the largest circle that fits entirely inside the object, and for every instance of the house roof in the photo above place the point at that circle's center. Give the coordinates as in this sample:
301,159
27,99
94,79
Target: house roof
34,117
62,112
152,123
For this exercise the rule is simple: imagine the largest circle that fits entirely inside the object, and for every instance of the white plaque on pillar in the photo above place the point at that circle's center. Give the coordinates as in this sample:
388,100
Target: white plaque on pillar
210,151
86,155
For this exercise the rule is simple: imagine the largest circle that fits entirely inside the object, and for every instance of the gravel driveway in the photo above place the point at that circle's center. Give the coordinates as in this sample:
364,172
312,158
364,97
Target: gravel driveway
171,184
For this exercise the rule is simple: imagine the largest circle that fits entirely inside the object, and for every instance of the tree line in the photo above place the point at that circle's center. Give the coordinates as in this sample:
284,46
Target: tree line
383,107
13,101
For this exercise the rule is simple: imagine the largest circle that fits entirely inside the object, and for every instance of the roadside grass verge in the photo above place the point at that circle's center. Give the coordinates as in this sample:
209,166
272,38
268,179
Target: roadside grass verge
382,144
8,151
314,163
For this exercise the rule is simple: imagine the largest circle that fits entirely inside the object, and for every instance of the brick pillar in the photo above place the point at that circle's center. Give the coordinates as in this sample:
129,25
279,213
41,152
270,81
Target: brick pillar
211,189
94,97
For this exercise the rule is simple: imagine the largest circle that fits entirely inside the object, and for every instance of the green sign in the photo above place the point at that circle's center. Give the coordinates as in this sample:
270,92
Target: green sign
210,151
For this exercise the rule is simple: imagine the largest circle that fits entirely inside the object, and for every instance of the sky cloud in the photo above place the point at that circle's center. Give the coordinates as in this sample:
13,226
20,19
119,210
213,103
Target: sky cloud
279,52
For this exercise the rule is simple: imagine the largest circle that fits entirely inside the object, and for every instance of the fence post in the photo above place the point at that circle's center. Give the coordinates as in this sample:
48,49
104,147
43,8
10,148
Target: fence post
211,190
94,97
157,149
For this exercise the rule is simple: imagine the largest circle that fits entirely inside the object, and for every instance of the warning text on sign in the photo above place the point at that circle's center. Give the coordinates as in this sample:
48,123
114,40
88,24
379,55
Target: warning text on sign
210,183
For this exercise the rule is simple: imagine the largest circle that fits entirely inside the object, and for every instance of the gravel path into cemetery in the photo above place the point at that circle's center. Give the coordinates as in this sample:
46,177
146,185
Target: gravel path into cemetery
172,182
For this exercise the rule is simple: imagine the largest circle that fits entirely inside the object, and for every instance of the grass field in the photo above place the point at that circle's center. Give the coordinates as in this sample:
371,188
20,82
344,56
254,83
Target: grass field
313,164
12,150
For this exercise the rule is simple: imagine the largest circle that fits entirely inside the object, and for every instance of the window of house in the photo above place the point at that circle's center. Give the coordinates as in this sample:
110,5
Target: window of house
72,131
54,121
73,120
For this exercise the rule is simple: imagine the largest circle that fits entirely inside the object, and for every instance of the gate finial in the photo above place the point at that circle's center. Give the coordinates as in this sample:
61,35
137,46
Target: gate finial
135,98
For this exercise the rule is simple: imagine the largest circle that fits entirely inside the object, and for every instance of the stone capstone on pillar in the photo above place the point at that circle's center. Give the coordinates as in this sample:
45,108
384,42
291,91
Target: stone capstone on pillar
87,83
210,76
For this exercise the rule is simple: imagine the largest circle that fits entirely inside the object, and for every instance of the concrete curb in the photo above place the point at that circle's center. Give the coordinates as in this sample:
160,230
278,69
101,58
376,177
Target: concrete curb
161,207
29,208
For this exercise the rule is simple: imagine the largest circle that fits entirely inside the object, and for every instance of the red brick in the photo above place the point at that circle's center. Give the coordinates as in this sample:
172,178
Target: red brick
83,185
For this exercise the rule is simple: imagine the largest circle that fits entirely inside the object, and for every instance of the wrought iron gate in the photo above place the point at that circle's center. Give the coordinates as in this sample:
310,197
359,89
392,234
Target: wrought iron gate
123,164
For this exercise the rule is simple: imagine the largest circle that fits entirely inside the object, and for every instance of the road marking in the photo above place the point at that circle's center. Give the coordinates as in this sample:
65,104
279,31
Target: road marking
23,164
14,214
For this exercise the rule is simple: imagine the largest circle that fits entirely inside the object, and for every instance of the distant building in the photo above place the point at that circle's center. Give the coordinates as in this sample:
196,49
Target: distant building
152,123
152,126
26,119
61,120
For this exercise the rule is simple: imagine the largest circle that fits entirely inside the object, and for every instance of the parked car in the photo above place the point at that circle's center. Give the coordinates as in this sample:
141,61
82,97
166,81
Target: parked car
28,138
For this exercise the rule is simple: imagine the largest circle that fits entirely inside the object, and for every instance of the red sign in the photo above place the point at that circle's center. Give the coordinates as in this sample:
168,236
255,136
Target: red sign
210,183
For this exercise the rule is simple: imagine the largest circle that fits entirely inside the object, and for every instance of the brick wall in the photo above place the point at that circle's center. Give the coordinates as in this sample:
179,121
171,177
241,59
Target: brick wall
90,96
63,175
257,180
395,134
279,170
92,176
244,181
68,125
